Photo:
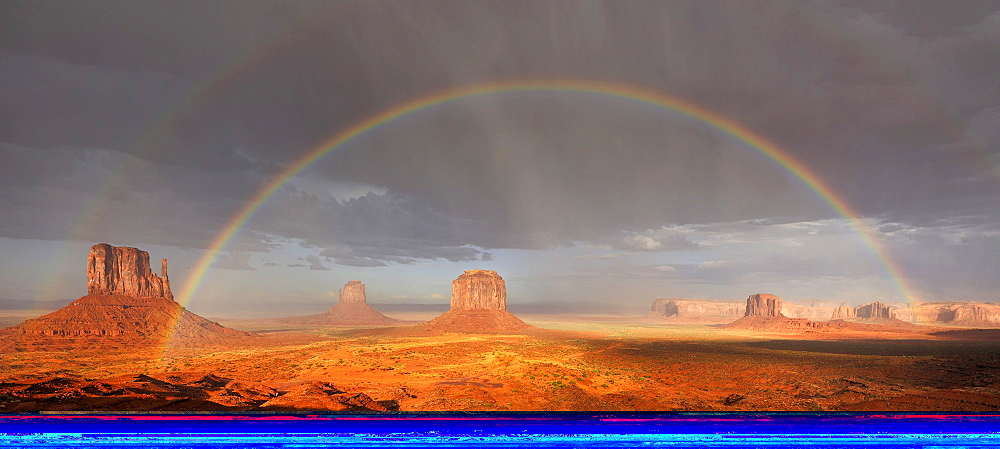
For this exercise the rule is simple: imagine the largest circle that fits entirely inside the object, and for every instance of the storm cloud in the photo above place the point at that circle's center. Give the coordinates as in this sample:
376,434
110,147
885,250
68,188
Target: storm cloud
157,122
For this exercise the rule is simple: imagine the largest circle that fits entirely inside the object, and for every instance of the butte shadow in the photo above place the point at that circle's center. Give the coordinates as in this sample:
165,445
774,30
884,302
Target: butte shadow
126,306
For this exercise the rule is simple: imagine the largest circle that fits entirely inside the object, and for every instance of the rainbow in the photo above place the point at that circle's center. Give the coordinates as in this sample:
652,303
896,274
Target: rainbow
639,95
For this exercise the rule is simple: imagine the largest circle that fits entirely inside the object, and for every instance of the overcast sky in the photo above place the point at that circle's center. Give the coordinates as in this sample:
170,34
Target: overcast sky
151,124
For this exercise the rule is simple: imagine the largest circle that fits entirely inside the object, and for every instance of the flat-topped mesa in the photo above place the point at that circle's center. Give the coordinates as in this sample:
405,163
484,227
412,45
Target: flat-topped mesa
479,290
873,311
353,293
762,304
121,270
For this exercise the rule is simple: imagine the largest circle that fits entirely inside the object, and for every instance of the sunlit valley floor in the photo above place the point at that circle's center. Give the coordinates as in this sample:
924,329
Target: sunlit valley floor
567,363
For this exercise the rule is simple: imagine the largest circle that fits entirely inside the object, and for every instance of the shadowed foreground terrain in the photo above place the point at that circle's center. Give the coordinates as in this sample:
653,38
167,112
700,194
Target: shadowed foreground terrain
574,363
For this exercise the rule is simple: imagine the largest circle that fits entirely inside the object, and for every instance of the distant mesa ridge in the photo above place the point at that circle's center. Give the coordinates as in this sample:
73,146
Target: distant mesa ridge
953,313
876,311
685,310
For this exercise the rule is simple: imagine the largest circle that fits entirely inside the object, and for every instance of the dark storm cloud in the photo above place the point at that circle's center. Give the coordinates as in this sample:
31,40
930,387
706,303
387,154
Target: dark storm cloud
99,195
893,104
374,230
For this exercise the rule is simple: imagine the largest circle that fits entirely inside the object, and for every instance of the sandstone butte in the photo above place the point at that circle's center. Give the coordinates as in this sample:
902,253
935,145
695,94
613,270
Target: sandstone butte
478,305
763,313
126,305
351,309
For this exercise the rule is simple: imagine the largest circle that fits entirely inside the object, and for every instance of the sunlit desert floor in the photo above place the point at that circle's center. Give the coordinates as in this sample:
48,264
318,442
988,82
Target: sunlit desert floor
571,363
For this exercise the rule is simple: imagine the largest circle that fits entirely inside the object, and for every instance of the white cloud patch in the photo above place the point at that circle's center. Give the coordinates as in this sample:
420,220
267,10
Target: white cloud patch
667,238
236,260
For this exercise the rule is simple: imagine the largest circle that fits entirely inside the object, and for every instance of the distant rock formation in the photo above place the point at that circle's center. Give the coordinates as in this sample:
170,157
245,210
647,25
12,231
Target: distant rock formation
479,289
121,270
813,310
763,304
351,310
763,314
127,306
353,293
975,314
844,312
714,311
478,305
873,311
696,310
876,311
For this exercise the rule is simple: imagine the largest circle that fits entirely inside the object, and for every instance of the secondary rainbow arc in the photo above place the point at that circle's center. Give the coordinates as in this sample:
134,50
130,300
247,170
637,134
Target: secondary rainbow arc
696,112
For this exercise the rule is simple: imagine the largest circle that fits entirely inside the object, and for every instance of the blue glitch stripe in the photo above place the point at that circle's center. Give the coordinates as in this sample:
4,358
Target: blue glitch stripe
504,430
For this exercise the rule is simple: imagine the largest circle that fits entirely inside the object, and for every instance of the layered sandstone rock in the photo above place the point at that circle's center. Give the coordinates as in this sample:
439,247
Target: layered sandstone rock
478,305
975,314
873,311
126,320
696,310
127,306
958,313
843,312
121,270
763,314
876,311
353,293
479,289
762,304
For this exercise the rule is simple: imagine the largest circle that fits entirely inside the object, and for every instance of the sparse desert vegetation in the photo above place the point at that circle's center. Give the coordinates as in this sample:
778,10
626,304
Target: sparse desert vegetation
589,364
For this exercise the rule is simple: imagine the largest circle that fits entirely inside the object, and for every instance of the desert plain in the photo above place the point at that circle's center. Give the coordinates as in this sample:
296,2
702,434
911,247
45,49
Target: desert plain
565,363
128,346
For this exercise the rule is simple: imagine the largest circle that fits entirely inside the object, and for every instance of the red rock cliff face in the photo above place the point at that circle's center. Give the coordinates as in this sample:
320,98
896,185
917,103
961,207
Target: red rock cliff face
977,314
479,289
120,270
762,304
843,312
696,309
353,293
873,311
